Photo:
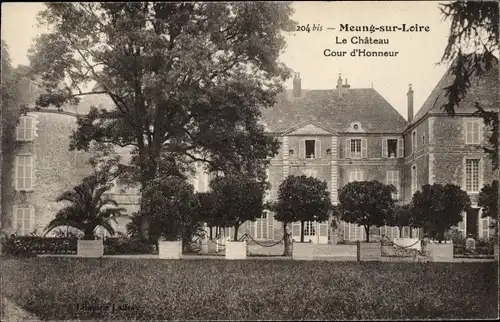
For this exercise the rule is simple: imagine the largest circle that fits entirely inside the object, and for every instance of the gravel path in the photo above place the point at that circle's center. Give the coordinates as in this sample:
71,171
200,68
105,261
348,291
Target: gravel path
13,313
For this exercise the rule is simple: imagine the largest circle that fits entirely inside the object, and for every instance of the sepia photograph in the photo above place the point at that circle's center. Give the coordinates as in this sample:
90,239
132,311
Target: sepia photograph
249,161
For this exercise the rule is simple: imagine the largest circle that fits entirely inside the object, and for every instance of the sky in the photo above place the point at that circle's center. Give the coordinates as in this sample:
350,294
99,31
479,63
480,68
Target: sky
416,62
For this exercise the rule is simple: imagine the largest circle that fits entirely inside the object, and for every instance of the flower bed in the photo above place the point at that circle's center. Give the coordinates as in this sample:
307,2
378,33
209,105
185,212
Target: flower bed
61,289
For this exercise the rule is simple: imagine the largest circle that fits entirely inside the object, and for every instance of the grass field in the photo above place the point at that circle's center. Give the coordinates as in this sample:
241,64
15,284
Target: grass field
65,288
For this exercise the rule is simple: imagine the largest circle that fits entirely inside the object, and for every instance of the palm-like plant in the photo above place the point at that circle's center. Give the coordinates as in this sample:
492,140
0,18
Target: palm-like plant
88,208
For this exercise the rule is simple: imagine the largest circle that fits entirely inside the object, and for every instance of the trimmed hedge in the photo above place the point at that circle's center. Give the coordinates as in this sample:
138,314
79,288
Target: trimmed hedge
27,246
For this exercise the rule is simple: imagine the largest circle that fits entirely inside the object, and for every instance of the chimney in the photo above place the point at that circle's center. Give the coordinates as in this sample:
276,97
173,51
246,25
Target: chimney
339,85
346,85
410,104
297,88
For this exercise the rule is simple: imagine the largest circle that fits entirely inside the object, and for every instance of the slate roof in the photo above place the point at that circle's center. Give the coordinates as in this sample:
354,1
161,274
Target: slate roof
485,90
322,107
327,109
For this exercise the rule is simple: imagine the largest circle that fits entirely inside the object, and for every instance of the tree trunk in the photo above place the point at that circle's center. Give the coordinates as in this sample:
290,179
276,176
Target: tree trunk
286,241
367,230
236,227
211,232
411,234
400,232
302,231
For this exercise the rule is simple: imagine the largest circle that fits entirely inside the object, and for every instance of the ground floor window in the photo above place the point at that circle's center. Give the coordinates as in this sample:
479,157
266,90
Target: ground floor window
23,221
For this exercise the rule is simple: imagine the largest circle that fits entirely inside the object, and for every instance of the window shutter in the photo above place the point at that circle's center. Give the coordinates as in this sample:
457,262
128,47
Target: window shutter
317,153
384,148
302,149
361,175
19,128
387,177
29,128
400,148
363,149
480,131
348,148
270,226
296,231
31,219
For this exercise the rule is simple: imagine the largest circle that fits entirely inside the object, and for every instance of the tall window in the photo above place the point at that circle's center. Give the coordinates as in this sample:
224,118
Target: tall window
310,149
472,175
414,186
24,172
23,220
414,142
392,148
472,132
355,175
356,148
24,131
393,178
309,228
264,226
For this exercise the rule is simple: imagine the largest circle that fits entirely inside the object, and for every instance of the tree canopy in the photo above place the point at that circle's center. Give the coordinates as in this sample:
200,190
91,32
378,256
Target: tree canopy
171,205
366,203
186,80
236,198
473,50
438,207
302,198
488,201
12,108
403,216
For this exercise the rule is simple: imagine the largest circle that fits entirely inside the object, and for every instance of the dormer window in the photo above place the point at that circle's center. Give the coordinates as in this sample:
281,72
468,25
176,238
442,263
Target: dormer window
328,151
290,152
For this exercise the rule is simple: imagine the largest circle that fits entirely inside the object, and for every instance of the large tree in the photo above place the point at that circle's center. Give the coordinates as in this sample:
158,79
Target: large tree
473,51
366,203
236,198
473,47
187,80
301,198
439,207
488,201
12,108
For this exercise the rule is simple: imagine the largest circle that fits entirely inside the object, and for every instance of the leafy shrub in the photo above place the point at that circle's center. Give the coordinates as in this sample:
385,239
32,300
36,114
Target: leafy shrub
127,246
455,235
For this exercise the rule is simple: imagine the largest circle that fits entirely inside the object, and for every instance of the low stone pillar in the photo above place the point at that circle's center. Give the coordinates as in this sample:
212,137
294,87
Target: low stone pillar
369,252
236,249
440,252
302,251
90,248
169,249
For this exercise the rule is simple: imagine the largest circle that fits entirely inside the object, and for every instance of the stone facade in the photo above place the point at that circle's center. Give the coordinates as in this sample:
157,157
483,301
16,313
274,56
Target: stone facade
338,136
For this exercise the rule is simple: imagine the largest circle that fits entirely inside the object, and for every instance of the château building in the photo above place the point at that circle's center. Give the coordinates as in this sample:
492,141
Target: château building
337,135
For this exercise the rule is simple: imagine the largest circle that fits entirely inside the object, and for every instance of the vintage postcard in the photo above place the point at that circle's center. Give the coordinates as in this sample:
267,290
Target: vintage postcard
258,160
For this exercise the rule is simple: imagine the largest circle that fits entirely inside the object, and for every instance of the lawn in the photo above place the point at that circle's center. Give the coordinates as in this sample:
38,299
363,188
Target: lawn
71,288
